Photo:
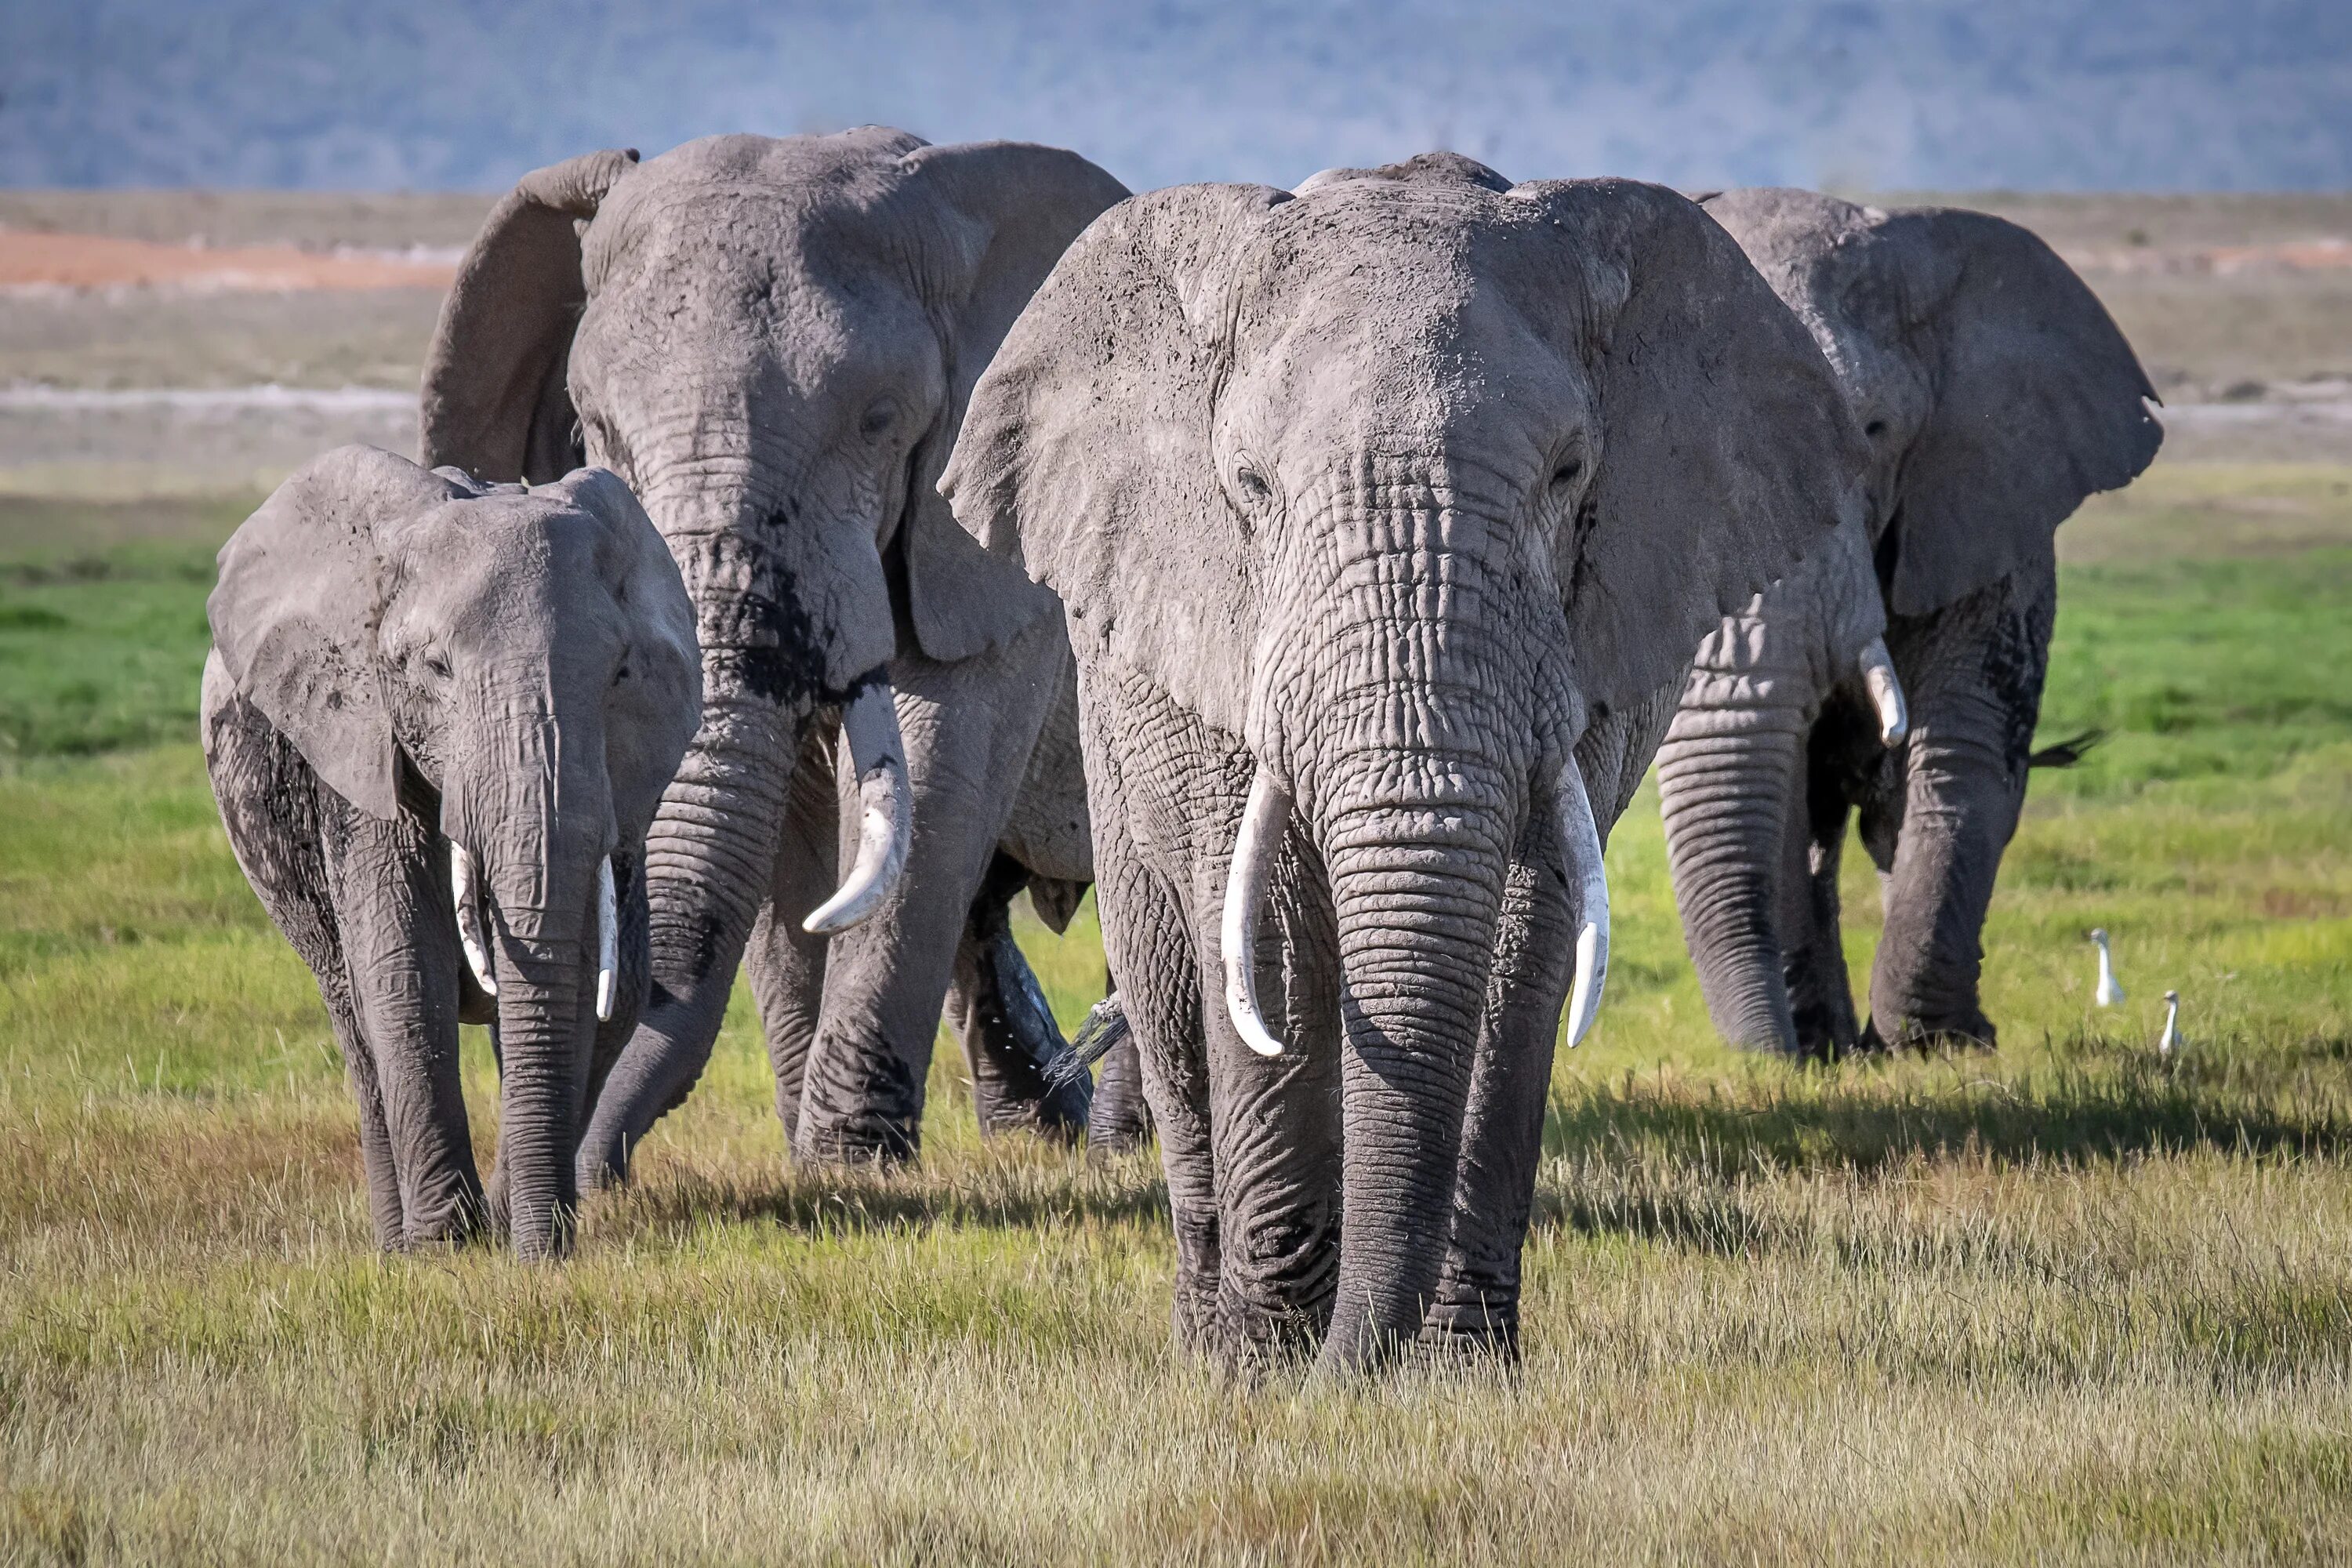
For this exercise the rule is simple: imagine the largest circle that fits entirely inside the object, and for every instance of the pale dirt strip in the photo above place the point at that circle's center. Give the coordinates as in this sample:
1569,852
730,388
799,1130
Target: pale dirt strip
83,261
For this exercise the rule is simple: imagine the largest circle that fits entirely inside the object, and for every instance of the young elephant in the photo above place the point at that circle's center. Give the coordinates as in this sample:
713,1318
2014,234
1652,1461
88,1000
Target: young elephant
438,717
1996,393
1387,516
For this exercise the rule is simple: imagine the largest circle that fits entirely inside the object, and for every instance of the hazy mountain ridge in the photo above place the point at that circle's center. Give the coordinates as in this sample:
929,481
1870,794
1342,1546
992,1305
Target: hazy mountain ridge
2183,94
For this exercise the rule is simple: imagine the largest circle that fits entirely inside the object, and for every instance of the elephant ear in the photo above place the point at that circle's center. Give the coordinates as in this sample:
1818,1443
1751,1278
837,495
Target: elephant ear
1085,454
495,402
294,614
2037,402
1019,206
653,710
1725,450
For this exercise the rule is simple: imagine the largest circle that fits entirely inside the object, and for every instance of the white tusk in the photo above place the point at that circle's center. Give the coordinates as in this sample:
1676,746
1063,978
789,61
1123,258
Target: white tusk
1262,820
468,895
1885,692
608,939
870,724
1581,835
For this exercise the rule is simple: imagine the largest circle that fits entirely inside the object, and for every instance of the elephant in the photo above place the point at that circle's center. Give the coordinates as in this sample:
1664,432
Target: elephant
1386,515
773,339
438,717
1996,393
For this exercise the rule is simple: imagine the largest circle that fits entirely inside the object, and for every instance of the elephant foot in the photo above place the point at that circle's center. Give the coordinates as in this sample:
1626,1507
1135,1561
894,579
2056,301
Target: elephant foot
465,1217
1471,1335
1120,1121
1975,1033
1822,1010
866,1143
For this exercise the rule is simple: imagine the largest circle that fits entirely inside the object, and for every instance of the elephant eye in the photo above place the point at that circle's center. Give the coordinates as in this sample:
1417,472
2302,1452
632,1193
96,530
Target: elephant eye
879,417
1253,483
1568,473
1875,429
437,665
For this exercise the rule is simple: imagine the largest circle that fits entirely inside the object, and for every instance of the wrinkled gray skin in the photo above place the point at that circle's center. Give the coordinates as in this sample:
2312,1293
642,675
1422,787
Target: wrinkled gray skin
1996,393
771,341
1402,490
404,660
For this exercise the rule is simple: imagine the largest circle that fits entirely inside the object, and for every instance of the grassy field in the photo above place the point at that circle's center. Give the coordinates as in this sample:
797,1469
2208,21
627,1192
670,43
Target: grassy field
2068,1301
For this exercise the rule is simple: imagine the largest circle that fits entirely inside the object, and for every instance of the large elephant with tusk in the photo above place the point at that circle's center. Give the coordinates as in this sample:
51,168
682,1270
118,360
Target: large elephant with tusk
437,716
1901,672
1387,515
773,340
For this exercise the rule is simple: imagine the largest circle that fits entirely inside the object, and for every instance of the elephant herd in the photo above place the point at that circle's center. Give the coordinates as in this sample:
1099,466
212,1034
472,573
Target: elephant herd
821,540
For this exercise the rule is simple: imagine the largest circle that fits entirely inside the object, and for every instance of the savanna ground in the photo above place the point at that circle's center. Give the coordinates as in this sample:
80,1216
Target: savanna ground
2068,1300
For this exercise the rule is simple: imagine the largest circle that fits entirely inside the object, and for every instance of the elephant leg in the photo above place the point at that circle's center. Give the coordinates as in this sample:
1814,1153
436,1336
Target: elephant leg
1974,703
968,727
1274,1123
1008,1033
786,965
1148,941
376,1139
400,952
1812,944
1476,1305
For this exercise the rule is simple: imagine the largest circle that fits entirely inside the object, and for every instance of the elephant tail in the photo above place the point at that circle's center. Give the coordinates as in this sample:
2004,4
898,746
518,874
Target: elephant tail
1105,1028
2065,753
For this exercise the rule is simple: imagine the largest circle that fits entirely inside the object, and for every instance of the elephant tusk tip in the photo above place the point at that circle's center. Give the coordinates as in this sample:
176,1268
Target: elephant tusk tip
1592,978
603,995
1253,1033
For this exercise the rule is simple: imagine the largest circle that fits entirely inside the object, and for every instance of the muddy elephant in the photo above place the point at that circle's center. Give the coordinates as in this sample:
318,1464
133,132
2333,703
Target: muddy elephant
1387,516
438,717
773,340
1996,393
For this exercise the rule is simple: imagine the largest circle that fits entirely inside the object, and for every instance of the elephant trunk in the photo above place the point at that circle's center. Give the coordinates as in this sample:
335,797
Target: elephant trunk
792,614
536,838
1407,732
1417,890
1725,778
709,858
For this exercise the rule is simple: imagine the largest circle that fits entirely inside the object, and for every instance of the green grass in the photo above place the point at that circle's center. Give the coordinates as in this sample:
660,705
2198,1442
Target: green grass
2067,1301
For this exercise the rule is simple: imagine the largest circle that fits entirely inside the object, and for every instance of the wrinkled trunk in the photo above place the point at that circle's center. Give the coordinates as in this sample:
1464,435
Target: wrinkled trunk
544,1037
1728,782
1417,890
1406,734
542,828
709,858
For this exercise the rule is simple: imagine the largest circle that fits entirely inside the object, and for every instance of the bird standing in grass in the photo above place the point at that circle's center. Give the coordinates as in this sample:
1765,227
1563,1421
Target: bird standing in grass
2109,992
2171,1041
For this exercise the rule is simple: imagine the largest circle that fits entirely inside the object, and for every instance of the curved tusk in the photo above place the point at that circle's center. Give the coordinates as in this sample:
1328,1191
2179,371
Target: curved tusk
870,724
608,939
467,897
1262,820
1581,835
1885,692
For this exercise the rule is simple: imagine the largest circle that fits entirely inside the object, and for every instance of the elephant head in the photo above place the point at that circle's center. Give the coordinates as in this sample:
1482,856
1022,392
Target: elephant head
1995,394
771,341
1398,484
519,666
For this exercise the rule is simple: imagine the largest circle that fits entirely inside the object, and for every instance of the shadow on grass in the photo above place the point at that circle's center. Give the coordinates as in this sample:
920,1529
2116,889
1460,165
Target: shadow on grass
1666,1159
1853,1118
